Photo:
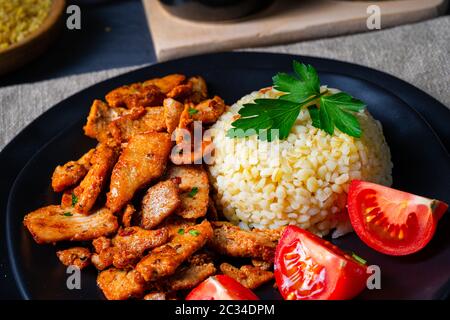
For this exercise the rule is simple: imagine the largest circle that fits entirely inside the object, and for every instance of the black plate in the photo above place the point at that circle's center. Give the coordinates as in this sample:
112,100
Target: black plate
421,165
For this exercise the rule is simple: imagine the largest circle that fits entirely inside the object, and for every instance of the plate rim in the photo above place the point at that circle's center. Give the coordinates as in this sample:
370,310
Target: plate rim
17,277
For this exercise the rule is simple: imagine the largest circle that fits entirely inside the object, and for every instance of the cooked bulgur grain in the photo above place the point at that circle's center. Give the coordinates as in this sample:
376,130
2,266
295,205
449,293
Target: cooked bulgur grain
19,18
302,180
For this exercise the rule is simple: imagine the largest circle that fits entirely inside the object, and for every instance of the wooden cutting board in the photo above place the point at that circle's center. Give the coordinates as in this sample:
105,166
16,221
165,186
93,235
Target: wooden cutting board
284,21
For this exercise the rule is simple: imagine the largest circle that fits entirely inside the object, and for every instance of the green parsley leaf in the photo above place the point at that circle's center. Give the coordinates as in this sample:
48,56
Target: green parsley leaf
299,88
193,192
314,115
274,118
192,111
334,111
74,199
345,102
268,118
194,233
181,231
358,258
67,214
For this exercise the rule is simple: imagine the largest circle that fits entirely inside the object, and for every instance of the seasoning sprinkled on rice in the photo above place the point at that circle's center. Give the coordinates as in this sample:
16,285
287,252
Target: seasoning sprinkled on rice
302,180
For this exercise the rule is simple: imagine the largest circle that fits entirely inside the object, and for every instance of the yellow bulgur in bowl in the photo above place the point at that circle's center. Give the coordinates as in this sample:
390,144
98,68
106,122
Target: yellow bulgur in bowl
302,180
20,18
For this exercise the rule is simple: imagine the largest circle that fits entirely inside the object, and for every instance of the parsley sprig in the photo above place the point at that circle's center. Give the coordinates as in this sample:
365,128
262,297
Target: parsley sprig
274,118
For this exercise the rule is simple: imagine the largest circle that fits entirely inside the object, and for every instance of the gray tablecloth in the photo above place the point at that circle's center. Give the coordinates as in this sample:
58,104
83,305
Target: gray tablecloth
418,53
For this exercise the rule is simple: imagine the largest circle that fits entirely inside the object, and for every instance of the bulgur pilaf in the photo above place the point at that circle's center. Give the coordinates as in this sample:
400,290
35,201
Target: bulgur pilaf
307,184
20,18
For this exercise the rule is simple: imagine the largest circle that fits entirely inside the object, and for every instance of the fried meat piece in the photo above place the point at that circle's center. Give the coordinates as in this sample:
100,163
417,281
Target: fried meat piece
188,277
249,276
135,95
128,246
131,243
159,202
103,259
172,113
90,187
233,241
199,89
127,215
137,120
67,199
101,243
76,256
175,223
119,284
163,261
194,190
263,265
167,83
208,111
155,296
71,173
100,116
142,160
53,223
181,91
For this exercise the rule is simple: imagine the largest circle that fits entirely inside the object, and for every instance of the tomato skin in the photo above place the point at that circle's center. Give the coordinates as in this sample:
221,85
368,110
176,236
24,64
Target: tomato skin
415,216
221,287
342,277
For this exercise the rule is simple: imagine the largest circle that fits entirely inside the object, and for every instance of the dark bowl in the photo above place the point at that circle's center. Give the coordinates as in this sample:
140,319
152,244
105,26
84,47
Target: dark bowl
214,10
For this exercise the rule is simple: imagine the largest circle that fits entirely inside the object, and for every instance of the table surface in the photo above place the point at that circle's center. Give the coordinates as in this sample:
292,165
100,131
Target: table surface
113,34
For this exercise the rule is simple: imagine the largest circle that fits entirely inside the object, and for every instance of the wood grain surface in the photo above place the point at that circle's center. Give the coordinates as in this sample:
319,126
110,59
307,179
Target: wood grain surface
284,21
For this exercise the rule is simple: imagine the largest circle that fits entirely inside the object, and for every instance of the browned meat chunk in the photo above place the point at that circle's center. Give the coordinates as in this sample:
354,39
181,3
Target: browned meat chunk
181,91
128,246
175,223
135,95
137,120
77,256
71,173
142,160
233,241
100,116
127,216
163,261
167,83
208,111
132,242
194,190
188,277
103,259
249,276
172,113
263,265
155,296
89,189
101,243
53,223
160,201
68,199
121,284
199,89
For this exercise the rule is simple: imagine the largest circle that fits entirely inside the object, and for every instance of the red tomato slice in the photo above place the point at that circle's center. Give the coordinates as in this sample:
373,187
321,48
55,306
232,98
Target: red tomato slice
310,268
221,287
392,221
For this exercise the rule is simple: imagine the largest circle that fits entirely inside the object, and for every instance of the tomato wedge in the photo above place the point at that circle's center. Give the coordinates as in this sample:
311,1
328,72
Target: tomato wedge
392,221
310,268
221,287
